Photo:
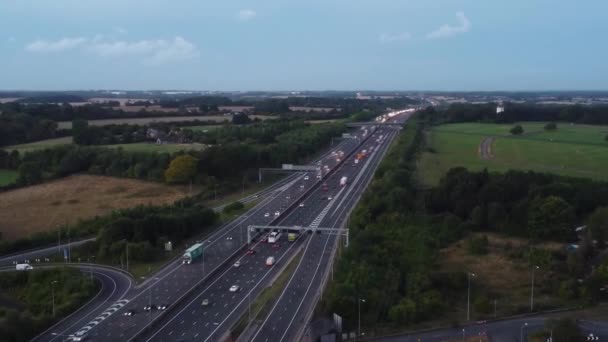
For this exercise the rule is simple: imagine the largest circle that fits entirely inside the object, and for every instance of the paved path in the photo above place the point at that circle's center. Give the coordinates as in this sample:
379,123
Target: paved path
485,148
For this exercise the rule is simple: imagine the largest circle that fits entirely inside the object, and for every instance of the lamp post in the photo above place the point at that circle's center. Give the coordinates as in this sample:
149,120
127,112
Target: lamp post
463,334
532,289
521,332
359,301
469,275
53,295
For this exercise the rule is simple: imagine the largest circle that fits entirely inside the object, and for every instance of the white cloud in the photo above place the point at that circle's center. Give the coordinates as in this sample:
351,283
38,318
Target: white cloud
120,30
55,46
152,52
395,37
245,14
446,31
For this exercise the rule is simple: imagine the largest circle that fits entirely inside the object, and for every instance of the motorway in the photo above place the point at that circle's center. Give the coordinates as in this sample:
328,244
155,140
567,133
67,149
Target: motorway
175,280
291,312
197,323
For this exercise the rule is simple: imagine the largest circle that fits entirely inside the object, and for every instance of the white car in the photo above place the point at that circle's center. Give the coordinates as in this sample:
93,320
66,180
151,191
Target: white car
329,198
301,205
234,288
276,213
228,237
306,178
237,264
267,215
318,176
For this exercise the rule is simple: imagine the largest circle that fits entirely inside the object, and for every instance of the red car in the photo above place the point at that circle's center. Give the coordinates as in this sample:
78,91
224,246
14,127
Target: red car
250,252
276,246
264,239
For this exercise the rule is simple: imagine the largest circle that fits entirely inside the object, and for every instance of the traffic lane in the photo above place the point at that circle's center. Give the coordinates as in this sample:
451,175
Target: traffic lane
32,255
114,285
196,322
308,274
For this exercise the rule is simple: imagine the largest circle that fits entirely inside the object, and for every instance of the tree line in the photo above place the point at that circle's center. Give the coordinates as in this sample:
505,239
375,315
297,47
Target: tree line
514,112
398,229
33,309
18,128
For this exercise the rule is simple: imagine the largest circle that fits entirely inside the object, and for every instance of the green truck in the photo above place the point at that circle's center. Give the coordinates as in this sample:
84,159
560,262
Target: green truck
291,237
192,253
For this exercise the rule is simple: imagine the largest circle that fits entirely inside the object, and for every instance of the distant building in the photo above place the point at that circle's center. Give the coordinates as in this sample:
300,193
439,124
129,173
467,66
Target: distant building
500,109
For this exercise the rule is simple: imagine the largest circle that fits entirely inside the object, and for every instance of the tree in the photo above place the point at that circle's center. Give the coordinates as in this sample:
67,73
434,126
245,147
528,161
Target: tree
240,119
79,131
550,218
564,329
517,130
597,224
29,173
182,169
551,126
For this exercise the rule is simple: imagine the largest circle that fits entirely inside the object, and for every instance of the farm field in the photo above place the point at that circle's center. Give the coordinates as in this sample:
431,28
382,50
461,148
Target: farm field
572,150
7,176
45,206
144,121
39,145
151,147
317,122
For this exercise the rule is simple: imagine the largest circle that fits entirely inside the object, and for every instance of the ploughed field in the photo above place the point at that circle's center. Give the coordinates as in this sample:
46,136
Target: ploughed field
572,150
46,206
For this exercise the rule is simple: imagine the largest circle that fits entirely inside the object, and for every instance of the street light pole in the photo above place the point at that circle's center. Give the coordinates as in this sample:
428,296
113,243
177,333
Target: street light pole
532,290
521,332
469,296
359,301
463,334
53,295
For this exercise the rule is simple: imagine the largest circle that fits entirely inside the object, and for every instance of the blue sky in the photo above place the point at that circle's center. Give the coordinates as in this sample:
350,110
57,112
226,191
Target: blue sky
304,45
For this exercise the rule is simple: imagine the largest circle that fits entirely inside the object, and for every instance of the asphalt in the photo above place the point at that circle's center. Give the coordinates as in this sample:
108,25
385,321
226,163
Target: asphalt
175,281
290,313
194,322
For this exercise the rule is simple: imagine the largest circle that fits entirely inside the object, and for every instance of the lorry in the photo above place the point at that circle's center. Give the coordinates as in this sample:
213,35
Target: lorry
343,180
192,253
274,237
23,267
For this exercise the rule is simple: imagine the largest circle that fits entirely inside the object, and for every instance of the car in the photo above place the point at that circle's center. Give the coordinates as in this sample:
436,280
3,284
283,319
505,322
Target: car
237,263
150,307
228,237
256,196
306,178
329,198
129,313
301,205
276,246
337,160
205,302
276,213
234,288
288,197
162,307
302,186
323,198
319,176
267,215
250,252
264,239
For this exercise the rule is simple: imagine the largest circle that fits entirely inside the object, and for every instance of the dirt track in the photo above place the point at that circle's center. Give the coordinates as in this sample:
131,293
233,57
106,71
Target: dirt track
485,148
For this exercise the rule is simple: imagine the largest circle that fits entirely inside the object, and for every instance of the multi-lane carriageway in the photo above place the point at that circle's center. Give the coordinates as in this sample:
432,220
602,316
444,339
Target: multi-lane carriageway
194,322
211,277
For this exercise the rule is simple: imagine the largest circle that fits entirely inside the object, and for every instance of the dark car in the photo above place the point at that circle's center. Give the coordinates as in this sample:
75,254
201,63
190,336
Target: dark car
250,252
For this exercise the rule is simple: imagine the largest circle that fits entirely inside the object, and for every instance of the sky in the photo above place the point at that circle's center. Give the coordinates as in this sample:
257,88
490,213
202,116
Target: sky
444,45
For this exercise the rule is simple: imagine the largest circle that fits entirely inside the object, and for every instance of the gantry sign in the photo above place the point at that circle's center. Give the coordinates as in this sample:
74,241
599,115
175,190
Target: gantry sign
297,229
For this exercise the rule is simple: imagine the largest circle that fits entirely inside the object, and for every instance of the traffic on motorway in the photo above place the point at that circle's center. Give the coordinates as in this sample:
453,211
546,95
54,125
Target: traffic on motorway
176,280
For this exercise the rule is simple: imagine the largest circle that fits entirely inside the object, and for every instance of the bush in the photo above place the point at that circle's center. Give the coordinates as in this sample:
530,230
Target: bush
551,126
517,130
482,305
478,245
234,206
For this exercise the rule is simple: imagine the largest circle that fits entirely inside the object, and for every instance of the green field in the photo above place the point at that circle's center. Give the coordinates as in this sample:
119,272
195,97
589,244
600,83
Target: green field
7,177
572,150
39,145
150,147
